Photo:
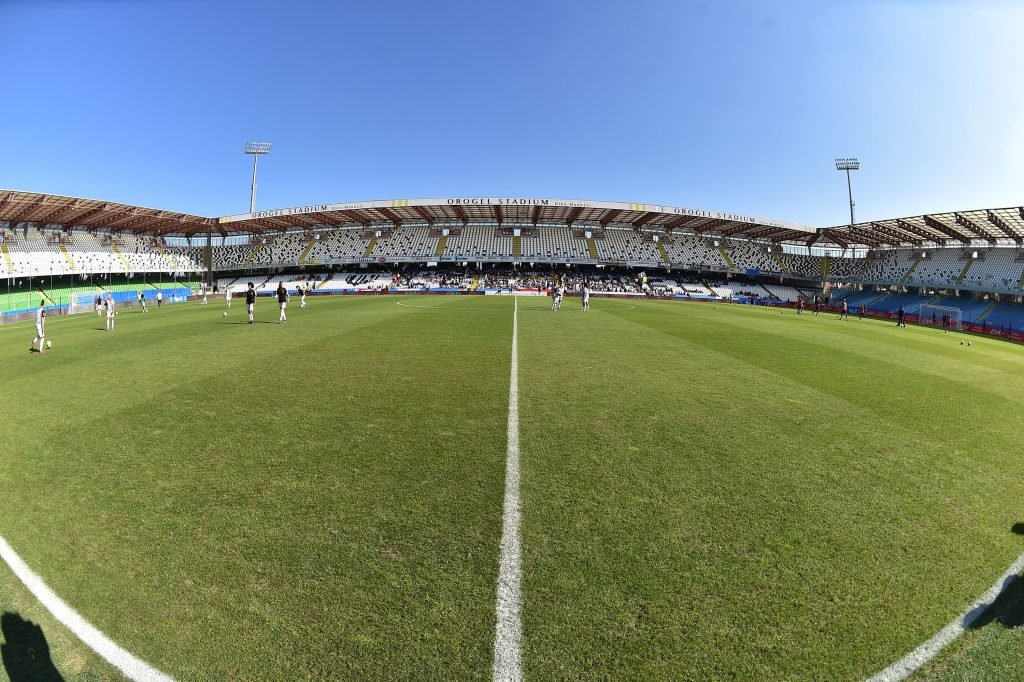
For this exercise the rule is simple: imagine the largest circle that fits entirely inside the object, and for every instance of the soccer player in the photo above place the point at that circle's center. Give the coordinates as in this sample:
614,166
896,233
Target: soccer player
205,302
302,296
844,312
282,302
899,317
554,297
99,306
227,296
250,300
159,298
110,311
40,328
946,319
142,302
586,297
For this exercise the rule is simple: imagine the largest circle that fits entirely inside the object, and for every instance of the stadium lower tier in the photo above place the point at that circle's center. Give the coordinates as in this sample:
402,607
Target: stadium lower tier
990,313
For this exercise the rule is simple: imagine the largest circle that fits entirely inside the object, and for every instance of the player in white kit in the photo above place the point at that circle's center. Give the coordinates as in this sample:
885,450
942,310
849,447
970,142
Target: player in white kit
302,296
227,296
110,311
585,297
40,328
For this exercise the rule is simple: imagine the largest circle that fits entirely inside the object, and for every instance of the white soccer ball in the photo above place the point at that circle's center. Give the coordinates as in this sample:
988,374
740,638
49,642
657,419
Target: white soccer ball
225,313
968,343
49,344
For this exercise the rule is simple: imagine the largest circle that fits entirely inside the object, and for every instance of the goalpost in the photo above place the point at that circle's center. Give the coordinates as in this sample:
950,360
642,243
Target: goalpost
927,313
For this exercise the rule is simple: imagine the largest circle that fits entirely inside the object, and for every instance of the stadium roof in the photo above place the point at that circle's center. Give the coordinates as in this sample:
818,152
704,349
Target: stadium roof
997,226
52,209
516,211
991,226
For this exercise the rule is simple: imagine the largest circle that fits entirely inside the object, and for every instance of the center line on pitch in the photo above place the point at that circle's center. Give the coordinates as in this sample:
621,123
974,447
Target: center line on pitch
508,663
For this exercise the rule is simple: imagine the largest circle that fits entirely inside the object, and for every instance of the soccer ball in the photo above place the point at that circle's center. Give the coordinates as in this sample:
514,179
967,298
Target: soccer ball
49,344
961,343
225,313
968,343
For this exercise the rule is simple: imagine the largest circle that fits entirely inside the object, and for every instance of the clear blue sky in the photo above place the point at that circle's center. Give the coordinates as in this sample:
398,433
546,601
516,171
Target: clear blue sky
724,104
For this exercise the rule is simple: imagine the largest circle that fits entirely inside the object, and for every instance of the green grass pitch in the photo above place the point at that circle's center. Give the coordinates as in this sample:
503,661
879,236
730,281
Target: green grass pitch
707,492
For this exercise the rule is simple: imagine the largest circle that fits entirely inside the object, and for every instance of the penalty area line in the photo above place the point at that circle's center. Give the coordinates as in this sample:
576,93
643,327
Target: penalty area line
508,664
903,668
134,668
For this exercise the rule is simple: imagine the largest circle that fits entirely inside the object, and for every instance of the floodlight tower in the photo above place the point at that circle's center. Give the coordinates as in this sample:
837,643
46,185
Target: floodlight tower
256,149
848,165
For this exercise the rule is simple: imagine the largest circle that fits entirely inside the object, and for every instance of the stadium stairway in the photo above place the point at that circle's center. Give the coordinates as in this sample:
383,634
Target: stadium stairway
324,282
1020,282
664,254
782,266
725,257
592,250
305,252
987,310
42,293
963,273
441,244
67,256
120,256
10,266
826,267
167,258
370,247
475,284
517,246
252,255
910,271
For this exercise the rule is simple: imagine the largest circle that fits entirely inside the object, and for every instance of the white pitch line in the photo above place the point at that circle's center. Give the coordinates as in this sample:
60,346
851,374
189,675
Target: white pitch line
134,668
903,668
508,662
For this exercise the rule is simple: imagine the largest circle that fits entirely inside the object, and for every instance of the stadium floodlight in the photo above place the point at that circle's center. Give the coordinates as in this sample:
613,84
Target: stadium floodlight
257,149
848,165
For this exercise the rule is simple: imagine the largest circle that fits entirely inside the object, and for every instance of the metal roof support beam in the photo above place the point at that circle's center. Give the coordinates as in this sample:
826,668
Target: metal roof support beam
610,217
679,222
899,235
535,215
56,214
712,225
425,214
964,221
574,214
392,216
947,230
355,217
645,218
498,215
461,213
88,215
1003,227
923,234
870,239
324,219
738,228
831,235
26,214
766,232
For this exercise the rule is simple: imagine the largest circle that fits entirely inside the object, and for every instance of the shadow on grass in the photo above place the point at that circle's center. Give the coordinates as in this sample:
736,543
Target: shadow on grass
25,652
1007,608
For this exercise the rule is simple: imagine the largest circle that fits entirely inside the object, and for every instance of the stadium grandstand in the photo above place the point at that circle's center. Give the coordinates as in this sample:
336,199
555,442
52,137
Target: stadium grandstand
70,250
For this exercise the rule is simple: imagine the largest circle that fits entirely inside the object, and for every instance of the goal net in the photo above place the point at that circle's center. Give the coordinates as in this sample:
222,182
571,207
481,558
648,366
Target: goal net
932,315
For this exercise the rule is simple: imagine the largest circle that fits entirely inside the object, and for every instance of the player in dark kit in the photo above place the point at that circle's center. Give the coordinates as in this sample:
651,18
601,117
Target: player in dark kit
900,314
282,302
250,300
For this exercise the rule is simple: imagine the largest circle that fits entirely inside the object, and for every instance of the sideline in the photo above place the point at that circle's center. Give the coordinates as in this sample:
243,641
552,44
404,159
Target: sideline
134,668
903,668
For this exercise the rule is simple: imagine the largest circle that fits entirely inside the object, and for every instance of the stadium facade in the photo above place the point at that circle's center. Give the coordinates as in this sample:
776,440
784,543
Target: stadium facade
66,247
